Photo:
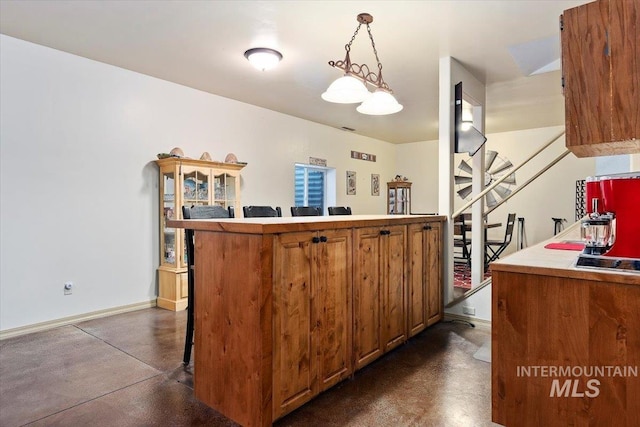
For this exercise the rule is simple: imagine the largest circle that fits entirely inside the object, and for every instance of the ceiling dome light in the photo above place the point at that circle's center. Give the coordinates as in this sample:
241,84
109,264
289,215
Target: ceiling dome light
263,58
379,104
346,90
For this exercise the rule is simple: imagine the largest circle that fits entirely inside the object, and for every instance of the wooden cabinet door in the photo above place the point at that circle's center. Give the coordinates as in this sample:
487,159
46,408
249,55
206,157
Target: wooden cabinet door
367,303
333,307
424,280
394,319
600,51
433,273
585,68
294,358
417,290
312,315
624,38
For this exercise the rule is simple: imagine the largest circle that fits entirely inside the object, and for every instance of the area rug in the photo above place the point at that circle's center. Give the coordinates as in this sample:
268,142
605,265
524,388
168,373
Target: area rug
462,275
484,352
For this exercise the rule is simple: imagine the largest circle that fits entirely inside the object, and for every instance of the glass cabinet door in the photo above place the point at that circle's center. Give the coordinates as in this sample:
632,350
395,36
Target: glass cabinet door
392,200
401,200
196,188
168,235
225,190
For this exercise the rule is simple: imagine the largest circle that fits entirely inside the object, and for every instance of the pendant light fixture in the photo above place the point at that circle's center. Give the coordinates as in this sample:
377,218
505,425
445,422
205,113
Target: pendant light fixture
263,58
351,88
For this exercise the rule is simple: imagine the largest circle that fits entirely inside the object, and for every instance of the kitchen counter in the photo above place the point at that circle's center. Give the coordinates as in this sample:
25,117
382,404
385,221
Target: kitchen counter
539,260
565,340
286,308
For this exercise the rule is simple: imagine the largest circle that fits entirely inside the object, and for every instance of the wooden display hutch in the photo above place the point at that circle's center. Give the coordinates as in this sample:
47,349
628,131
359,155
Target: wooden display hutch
188,182
399,197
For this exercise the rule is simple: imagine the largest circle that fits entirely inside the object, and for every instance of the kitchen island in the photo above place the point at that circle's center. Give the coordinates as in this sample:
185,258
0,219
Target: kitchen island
565,341
286,308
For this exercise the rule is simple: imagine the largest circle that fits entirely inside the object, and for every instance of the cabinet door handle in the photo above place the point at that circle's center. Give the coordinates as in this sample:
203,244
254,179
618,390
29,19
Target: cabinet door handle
316,240
384,232
323,238
426,227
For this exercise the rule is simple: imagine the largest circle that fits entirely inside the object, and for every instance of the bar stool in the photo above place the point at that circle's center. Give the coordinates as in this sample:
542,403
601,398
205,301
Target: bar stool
339,210
261,211
306,211
196,212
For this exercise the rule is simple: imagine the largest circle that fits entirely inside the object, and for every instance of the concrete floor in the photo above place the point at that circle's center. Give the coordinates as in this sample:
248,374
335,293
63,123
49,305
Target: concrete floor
126,370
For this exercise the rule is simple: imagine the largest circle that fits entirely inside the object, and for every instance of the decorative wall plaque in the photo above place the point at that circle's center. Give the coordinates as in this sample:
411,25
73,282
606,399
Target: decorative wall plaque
363,156
317,162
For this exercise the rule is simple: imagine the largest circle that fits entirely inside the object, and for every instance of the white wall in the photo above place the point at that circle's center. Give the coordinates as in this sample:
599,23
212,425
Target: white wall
79,186
608,165
418,161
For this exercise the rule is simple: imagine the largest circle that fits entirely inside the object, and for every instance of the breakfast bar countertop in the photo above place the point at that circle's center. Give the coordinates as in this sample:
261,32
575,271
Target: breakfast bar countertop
539,260
275,225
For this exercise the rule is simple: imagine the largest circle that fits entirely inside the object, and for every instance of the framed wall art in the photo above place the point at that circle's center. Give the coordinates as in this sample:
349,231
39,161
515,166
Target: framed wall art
351,183
375,184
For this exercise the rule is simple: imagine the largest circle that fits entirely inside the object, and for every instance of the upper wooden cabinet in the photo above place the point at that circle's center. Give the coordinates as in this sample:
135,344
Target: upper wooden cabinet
601,72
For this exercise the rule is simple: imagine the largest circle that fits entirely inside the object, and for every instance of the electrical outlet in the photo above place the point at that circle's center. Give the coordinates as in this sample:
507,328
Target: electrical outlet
469,310
68,288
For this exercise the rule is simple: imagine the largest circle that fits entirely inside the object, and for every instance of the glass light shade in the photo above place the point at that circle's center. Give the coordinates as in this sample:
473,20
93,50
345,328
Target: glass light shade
346,90
465,125
263,58
379,104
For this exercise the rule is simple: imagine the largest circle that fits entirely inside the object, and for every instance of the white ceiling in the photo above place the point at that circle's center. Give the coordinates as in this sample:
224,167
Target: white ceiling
200,44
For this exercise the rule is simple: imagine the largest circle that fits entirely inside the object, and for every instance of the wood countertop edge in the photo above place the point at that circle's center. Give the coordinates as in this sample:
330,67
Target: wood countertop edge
295,224
571,273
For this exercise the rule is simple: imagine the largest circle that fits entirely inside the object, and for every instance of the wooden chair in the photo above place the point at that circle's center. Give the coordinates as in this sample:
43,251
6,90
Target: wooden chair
306,211
339,210
493,248
461,239
261,211
196,212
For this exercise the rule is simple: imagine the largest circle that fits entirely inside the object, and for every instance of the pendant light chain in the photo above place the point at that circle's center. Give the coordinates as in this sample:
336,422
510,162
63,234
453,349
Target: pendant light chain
348,45
373,44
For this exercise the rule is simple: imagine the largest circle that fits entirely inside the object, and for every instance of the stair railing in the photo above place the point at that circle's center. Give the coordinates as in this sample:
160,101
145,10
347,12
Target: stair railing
502,178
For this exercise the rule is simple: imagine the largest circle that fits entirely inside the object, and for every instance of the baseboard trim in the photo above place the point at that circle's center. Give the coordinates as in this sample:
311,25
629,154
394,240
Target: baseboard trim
37,327
479,323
